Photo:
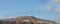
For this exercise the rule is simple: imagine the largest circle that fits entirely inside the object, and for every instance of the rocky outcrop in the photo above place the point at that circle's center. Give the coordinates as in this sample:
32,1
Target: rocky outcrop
27,20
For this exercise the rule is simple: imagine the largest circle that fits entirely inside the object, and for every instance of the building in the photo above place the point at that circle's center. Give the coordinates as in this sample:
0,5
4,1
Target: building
26,20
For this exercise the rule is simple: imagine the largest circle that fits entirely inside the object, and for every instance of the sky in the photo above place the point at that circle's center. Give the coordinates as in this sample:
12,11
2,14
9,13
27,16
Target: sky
44,9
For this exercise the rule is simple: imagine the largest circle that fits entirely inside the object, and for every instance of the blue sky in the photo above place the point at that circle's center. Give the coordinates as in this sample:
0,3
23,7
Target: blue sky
45,9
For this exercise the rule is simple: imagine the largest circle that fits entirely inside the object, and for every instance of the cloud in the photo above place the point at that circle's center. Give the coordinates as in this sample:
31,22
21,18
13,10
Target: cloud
55,1
53,5
57,10
47,7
